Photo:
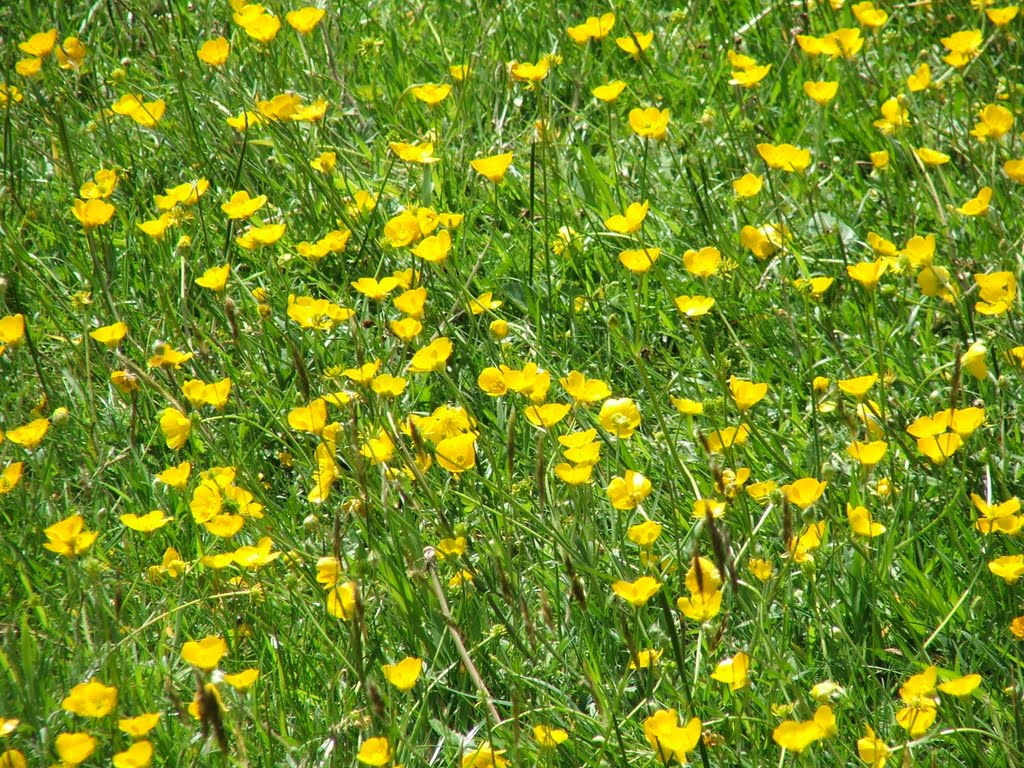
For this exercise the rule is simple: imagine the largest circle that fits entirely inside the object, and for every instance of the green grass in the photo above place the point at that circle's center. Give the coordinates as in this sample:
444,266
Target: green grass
535,634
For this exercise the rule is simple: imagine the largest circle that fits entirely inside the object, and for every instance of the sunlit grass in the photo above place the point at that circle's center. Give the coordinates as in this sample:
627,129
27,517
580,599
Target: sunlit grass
524,384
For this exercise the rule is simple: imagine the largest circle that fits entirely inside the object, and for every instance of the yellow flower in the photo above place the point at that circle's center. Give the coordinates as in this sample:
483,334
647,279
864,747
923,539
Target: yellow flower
574,474
110,336
747,185
139,726
704,507
12,330
176,428
70,53
867,454
244,680
257,237
493,168
961,687
11,476
404,674
259,25
686,406
459,72
145,113
375,751
649,123
214,52
620,417
701,606
547,415
631,221
609,92
628,491
746,394
868,15
785,157
861,522
804,492
215,278
668,739
40,44
636,43
815,286
304,20
962,46
484,756
91,699
242,206
973,360
434,249
318,314
74,748
997,292
694,306
931,157
549,737
422,152
644,534
92,213
639,261
727,437
524,71
138,755
977,205
764,241
872,750
938,448
858,387
1009,568
68,539
431,357
457,454
646,658
9,94
431,94
147,523
880,160
750,77
996,122
795,736
801,547
593,28
733,671
638,592
821,92
761,569
997,517
485,302
1001,17
206,653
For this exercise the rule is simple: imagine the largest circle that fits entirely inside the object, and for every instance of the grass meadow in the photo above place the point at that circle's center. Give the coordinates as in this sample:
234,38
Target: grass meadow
471,384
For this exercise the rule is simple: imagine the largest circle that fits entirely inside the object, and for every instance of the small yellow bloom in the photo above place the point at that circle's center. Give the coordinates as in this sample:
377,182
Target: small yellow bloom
733,671
649,123
304,20
404,674
91,699
206,653
493,168
214,52
375,751
74,748
638,592
821,92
